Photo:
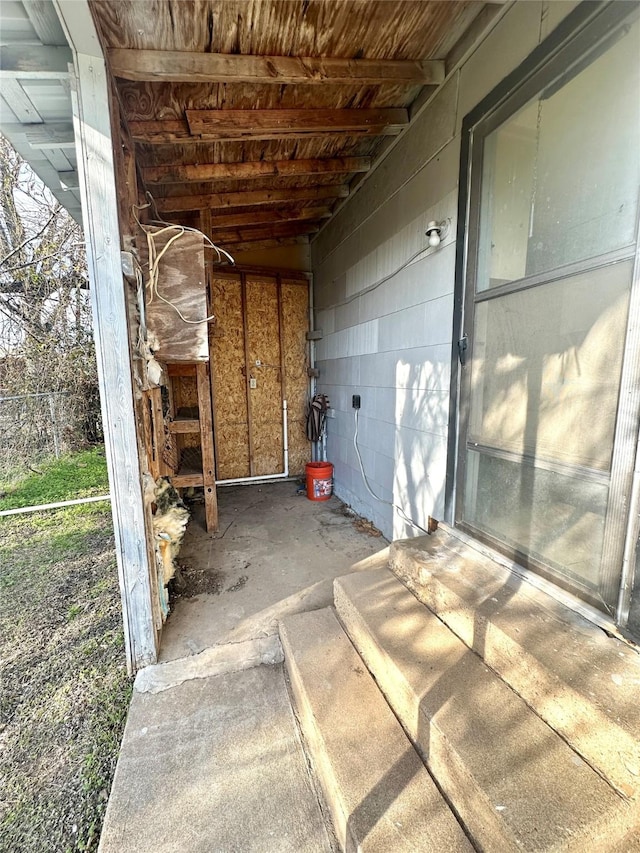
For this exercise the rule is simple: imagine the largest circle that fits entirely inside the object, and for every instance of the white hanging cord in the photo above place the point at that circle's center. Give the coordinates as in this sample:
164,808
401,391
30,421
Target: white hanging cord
158,221
370,490
155,257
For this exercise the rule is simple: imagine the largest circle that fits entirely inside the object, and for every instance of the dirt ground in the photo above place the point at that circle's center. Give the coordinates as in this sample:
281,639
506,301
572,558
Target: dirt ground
65,690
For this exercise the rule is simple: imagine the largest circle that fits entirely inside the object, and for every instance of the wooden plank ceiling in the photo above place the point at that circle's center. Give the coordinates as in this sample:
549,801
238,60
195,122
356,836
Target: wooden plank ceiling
267,112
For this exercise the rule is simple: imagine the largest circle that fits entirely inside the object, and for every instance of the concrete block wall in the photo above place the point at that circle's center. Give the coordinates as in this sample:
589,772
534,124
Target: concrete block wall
387,330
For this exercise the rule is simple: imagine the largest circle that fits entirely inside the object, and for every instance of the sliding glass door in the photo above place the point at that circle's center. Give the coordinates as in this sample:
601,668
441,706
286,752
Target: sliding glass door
549,417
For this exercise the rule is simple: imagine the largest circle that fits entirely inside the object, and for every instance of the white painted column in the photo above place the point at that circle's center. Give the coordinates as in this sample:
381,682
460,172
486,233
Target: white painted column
100,218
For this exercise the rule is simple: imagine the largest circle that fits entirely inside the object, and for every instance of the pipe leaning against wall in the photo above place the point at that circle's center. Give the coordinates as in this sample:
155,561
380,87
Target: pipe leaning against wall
258,478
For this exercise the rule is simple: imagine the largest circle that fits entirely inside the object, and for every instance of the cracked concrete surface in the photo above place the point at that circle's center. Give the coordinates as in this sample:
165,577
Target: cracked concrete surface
275,553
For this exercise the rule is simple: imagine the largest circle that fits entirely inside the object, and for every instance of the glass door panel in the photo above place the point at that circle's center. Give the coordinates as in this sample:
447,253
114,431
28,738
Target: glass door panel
555,184
546,368
560,177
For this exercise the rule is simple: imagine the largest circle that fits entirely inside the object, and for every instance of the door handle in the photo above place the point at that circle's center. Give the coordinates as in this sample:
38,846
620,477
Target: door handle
463,343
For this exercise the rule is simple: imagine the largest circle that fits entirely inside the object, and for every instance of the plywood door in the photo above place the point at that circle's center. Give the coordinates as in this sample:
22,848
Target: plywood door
258,357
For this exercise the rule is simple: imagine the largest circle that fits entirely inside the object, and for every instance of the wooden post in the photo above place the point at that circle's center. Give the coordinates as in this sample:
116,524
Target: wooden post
206,446
100,218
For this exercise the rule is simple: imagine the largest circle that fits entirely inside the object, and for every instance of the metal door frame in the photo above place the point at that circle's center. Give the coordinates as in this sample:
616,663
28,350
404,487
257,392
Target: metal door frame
586,32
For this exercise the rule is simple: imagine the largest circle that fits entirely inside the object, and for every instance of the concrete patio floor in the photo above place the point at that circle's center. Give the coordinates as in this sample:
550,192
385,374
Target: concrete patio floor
275,553
211,759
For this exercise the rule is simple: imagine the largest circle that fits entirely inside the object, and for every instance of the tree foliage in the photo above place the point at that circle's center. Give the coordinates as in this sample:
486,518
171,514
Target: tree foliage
46,342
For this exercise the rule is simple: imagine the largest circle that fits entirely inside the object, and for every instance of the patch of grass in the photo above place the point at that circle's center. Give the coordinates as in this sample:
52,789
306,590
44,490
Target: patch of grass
65,690
78,475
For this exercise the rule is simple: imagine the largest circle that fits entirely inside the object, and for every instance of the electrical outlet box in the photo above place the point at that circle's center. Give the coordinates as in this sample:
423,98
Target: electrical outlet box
331,413
253,382
355,401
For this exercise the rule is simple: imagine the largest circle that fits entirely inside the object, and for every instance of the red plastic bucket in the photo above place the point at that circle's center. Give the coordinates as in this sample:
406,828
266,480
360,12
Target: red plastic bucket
319,480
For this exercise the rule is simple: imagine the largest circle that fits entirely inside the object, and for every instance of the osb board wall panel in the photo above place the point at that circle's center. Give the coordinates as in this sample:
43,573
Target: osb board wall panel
181,282
228,367
231,375
295,324
263,344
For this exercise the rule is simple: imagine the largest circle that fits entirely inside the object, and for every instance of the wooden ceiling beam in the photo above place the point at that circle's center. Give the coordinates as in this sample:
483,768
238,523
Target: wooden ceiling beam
169,131
274,243
263,232
172,66
269,215
184,173
232,124
252,197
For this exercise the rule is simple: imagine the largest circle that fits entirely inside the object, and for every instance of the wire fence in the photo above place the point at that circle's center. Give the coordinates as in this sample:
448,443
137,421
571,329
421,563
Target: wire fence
35,427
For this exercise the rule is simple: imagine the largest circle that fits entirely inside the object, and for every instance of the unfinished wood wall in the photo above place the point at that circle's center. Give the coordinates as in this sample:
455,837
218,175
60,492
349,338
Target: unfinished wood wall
176,305
259,318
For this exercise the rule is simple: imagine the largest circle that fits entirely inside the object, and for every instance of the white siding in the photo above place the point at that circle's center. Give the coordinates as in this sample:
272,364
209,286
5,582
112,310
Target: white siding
391,342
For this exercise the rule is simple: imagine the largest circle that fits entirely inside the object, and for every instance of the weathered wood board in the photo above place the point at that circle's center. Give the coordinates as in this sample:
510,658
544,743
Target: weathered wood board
180,285
248,420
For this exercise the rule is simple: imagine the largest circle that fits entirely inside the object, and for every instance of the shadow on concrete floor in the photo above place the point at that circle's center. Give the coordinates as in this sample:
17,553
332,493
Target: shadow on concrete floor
275,553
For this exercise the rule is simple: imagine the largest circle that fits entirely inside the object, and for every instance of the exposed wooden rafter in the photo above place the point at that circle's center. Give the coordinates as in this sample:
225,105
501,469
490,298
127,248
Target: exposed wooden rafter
263,232
187,67
258,169
242,124
250,198
272,243
270,215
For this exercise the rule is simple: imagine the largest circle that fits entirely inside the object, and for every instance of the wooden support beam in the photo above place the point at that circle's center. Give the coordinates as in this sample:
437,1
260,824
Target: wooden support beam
206,445
110,326
268,215
274,243
264,232
259,169
186,67
233,124
34,62
169,131
205,227
249,198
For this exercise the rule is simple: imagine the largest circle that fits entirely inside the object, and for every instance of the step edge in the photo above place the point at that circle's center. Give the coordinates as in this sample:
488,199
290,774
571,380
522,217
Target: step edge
318,753
604,828
484,821
577,734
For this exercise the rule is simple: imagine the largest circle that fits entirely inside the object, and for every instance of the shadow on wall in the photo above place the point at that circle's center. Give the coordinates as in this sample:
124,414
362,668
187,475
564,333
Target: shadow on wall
543,402
421,416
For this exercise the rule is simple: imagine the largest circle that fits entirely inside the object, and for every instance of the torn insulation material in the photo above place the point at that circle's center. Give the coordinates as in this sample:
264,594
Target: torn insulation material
169,524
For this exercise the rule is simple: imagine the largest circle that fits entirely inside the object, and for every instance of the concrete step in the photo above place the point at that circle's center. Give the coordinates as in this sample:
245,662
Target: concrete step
379,794
582,682
515,784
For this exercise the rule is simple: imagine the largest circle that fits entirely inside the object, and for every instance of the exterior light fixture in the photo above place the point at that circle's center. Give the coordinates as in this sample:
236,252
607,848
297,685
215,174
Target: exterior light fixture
435,231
